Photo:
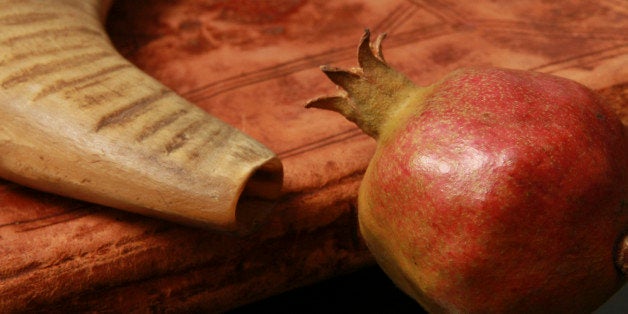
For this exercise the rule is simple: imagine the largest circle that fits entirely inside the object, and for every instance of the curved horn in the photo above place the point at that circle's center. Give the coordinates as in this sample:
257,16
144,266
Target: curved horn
79,120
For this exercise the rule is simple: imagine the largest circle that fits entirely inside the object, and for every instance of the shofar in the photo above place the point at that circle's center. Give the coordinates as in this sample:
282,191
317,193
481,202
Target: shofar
79,120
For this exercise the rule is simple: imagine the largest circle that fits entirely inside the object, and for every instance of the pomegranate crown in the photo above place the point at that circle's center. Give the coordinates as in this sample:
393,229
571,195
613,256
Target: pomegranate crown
371,93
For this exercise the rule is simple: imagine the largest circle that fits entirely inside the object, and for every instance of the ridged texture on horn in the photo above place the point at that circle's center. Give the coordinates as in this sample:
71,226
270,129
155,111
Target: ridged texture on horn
79,120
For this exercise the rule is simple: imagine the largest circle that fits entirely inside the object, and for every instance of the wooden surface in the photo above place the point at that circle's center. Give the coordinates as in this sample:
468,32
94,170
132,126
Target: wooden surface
254,64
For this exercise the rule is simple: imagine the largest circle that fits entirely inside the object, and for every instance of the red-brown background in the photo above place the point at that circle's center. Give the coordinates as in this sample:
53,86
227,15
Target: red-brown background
254,64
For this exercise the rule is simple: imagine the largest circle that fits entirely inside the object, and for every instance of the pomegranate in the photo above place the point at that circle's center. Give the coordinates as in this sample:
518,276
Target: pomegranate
491,191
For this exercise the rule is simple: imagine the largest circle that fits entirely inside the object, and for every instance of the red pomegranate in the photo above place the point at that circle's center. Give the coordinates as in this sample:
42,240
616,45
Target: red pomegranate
491,191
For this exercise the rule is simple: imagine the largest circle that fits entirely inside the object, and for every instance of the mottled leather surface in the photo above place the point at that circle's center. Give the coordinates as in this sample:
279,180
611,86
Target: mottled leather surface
254,64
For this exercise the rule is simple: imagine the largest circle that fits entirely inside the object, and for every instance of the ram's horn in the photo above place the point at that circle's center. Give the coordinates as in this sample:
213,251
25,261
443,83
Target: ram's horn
79,120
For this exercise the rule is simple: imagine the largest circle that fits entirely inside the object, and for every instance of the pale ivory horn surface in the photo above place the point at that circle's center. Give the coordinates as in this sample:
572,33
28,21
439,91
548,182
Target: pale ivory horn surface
79,120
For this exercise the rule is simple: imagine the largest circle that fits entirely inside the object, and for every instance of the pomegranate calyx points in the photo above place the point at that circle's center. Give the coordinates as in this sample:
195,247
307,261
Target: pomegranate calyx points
371,93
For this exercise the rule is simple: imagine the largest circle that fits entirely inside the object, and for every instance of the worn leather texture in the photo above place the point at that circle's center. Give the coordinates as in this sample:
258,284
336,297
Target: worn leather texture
254,64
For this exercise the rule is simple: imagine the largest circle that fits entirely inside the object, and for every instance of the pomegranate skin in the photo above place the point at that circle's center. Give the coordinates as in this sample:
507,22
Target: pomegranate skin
491,191
499,191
